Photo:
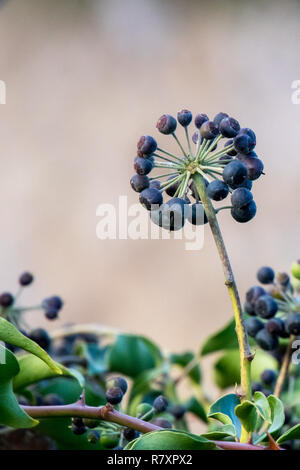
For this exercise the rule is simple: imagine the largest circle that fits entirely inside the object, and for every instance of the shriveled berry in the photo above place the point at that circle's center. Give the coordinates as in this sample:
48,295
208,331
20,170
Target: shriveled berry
268,377
178,411
143,166
253,326
265,275
151,197
163,423
209,130
217,190
245,213
6,299
254,293
229,127
266,341
114,395
41,337
292,324
147,145
295,269
166,124
139,182
160,403
197,214
184,117
200,119
254,166
234,173
26,279
219,118
93,437
245,141
130,434
241,197
118,382
266,306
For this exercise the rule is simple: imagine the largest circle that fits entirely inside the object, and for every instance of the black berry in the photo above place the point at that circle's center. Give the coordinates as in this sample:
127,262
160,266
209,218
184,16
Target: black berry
171,190
6,299
197,214
234,173
254,166
200,119
266,306
229,127
217,190
25,279
209,130
178,411
256,387
160,404
245,141
245,213
219,118
268,377
114,395
266,341
130,434
161,422
231,152
241,197
151,197
119,382
155,184
51,313
249,309
253,326
292,324
139,182
173,214
265,275
254,293
143,166
275,326
166,124
184,117
147,145
41,337
53,302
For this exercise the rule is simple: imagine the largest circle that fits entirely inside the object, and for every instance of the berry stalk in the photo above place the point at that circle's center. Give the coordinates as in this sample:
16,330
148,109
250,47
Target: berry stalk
284,368
245,352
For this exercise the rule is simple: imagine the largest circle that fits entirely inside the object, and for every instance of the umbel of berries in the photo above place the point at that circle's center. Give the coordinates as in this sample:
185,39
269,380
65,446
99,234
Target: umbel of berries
274,308
219,150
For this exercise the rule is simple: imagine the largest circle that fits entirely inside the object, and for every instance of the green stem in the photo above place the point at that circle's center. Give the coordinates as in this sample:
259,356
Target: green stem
244,348
284,368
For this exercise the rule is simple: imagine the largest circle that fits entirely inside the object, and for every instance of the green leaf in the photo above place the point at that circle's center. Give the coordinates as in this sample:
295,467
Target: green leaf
11,335
11,414
33,369
223,339
170,440
130,355
228,430
263,406
277,413
291,434
223,411
248,414
183,360
194,406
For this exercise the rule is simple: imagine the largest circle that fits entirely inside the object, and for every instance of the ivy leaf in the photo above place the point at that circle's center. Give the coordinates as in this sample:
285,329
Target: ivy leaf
224,339
11,414
33,369
183,360
291,434
248,414
194,406
277,413
11,335
228,430
130,355
223,411
170,440
263,406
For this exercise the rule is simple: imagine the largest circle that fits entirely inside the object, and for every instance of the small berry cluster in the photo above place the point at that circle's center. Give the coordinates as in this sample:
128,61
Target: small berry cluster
274,312
229,170
268,379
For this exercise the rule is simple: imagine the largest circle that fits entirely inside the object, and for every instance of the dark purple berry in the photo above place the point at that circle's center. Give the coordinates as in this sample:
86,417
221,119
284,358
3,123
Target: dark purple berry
254,166
41,337
163,423
253,326
160,404
245,184
151,197
78,430
143,166
119,382
275,326
171,190
266,341
231,152
200,119
249,309
25,279
6,299
268,377
178,411
54,302
234,173
147,145
229,127
197,214
265,275
217,190
219,118
166,124
193,188
256,387
292,324
174,213
209,130
266,306
245,141
283,279
241,197
130,434
114,395
245,213
139,183
184,117
155,184
51,313
254,293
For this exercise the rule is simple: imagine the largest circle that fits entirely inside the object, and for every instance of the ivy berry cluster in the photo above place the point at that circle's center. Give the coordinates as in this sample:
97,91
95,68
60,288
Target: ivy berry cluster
229,170
274,310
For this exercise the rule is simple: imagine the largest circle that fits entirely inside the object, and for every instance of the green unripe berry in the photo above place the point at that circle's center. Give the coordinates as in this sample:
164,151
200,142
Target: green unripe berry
144,408
109,440
295,269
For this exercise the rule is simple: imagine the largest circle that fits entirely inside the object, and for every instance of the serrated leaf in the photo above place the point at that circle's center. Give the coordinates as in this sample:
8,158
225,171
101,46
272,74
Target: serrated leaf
223,411
11,335
194,406
170,440
11,414
228,430
33,370
131,355
291,434
223,339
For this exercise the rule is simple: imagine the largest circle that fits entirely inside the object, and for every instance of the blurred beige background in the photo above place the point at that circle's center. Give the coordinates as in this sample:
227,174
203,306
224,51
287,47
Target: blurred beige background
84,80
